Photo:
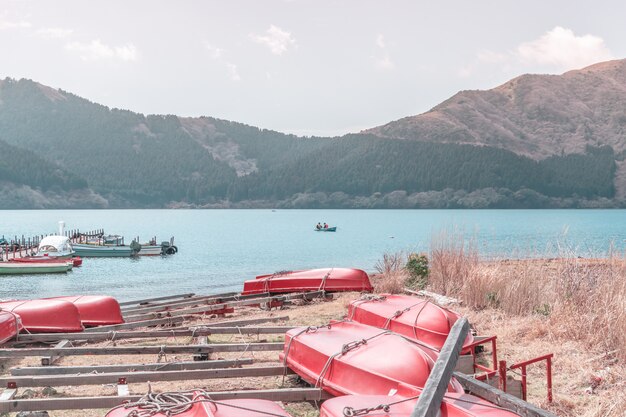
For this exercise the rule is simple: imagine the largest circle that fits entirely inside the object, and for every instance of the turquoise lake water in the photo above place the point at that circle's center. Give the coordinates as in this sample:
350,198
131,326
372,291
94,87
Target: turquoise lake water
219,249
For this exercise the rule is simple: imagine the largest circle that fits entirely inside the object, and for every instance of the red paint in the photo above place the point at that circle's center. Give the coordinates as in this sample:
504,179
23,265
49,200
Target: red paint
76,261
328,279
525,364
410,316
96,310
385,362
46,316
10,326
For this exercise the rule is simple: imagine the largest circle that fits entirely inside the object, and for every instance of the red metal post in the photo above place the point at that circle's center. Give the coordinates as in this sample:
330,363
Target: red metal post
524,382
502,376
549,366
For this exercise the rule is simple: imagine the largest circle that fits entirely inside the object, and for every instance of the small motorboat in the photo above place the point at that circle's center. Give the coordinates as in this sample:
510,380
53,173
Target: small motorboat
96,310
202,406
412,317
327,279
10,325
27,268
75,260
45,316
453,405
347,358
326,229
93,250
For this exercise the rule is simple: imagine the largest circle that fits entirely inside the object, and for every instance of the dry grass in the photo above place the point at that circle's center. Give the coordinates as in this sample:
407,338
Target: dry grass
391,275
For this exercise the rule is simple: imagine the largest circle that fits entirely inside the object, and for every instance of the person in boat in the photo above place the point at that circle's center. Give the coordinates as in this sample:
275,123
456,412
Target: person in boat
325,225
318,226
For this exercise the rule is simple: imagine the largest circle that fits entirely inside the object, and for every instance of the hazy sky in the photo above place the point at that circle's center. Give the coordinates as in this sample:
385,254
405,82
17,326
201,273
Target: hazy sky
299,66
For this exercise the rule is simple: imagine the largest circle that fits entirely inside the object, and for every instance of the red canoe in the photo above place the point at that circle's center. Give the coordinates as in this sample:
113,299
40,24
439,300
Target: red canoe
328,279
453,405
76,260
96,310
223,408
10,325
409,316
46,316
352,358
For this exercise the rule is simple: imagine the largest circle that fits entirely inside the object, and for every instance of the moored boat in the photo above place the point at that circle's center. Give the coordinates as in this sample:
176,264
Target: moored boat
201,406
453,405
327,279
27,268
410,316
96,310
347,358
45,316
10,325
89,250
75,260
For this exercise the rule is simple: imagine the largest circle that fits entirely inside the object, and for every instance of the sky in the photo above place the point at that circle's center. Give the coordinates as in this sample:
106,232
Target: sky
307,67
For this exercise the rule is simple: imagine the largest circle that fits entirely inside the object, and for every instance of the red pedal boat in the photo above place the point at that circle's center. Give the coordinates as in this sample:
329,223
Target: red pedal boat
327,279
45,316
352,358
203,407
76,260
412,317
453,405
96,310
10,325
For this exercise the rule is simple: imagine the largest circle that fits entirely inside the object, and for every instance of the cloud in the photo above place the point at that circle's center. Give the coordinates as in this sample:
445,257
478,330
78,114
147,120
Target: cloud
382,60
385,64
217,54
380,41
560,47
54,33
97,51
557,50
276,39
20,24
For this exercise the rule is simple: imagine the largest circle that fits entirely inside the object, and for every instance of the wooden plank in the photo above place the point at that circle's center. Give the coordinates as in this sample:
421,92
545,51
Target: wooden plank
500,398
82,403
141,350
182,332
169,300
148,300
465,364
429,401
49,360
202,340
216,307
131,367
141,376
145,323
193,301
8,394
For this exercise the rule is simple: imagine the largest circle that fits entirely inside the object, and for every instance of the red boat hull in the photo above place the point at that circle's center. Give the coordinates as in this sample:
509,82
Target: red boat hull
10,326
76,260
412,317
46,316
224,408
96,310
454,405
328,279
386,363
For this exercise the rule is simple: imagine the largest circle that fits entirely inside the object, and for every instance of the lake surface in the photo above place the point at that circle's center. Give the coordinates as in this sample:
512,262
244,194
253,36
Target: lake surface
219,249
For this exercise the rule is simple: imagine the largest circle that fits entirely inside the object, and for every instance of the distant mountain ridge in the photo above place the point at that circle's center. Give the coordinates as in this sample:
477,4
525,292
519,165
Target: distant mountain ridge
536,141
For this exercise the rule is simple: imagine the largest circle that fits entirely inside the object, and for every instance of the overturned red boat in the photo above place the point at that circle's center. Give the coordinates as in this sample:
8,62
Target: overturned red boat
453,405
96,310
327,279
352,358
202,406
10,325
410,316
76,260
45,316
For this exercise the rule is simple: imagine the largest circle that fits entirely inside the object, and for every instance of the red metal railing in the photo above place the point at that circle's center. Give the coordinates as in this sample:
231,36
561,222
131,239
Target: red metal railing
522,366
488,372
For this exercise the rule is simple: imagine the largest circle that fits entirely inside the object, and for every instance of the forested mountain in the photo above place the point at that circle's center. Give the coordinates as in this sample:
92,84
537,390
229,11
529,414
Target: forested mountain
61,143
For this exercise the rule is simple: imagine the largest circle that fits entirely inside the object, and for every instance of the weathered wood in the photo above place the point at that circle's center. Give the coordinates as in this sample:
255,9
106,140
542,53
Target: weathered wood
182,332
145,376
131,367
49,360
148,300
500,398
202,340
192,301
170,321
83,403
8,394
141,350
429,401
217,307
